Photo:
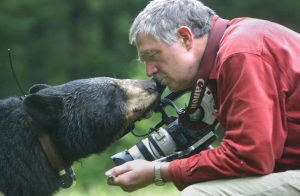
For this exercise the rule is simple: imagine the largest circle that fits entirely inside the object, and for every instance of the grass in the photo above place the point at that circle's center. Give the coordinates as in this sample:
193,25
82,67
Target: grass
102,189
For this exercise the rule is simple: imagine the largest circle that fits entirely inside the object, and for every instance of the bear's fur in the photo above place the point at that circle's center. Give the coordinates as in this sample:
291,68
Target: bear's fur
82,117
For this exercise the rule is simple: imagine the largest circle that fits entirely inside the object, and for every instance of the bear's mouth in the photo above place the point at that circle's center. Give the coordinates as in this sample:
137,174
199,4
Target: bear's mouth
148,112
151,107
144,112
154,105
139,108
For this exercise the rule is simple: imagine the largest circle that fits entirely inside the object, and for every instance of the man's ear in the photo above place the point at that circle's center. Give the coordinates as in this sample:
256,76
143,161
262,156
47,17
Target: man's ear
42,109
187,37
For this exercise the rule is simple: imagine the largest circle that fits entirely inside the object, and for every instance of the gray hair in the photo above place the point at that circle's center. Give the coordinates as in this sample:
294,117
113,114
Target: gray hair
162,18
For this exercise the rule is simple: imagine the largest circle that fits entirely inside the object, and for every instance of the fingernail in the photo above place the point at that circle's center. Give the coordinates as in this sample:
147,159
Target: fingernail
108,174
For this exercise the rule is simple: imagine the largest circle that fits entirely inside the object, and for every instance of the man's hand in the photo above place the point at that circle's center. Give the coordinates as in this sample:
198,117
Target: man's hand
132,175
136,174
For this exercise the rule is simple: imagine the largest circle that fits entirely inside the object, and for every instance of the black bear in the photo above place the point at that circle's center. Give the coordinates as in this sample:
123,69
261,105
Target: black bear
80,118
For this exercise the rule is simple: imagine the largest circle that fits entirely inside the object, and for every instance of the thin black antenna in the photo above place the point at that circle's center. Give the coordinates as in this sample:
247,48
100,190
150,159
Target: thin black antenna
14,72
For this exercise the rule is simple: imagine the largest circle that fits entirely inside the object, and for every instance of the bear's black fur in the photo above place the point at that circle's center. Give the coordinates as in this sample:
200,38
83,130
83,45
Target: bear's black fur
82,117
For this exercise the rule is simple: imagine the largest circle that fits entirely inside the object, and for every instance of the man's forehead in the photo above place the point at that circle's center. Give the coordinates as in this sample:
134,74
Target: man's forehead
145,44
145,40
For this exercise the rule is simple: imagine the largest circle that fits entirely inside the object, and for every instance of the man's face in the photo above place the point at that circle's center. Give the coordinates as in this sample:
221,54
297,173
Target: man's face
175,66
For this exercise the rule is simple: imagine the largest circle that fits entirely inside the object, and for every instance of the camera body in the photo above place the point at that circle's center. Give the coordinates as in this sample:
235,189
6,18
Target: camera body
183,136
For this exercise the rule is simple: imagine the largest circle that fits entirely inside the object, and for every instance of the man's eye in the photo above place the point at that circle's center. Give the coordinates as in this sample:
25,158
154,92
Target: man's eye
152,56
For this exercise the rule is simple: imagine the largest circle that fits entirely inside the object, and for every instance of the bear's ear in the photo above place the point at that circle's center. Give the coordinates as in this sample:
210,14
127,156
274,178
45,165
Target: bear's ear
42,109
37,87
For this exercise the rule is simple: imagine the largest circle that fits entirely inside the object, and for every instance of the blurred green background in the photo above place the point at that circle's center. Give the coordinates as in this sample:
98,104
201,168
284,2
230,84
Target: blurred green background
56,41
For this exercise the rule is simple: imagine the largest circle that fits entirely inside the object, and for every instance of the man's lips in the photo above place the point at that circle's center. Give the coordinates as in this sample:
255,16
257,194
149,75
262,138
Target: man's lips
160,80
160,87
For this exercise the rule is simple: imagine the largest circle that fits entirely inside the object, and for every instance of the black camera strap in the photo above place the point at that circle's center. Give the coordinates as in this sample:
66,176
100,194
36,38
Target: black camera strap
206,64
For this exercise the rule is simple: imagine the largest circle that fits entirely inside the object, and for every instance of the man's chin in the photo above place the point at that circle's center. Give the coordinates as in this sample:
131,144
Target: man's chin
175,87
162,81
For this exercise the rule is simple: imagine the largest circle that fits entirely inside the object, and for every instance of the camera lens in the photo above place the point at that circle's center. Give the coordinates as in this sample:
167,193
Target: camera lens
154,147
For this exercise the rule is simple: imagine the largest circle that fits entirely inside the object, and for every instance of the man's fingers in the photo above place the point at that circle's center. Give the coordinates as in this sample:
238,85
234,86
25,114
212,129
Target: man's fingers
108,174
113,174
112,181
118,170
131,175
111,178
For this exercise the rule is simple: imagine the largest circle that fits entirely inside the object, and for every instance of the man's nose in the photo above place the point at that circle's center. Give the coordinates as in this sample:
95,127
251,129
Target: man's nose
151,69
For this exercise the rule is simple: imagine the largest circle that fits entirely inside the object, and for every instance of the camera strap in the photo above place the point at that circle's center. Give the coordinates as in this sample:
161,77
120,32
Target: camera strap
206,64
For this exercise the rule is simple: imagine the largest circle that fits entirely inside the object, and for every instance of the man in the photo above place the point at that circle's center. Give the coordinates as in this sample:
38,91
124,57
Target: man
255,83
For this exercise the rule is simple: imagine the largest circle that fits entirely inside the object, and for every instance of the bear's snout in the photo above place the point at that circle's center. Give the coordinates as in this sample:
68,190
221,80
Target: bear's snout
151,87
159,87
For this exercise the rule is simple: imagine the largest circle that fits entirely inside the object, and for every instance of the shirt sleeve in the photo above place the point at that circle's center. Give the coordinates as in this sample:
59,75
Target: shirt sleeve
250,115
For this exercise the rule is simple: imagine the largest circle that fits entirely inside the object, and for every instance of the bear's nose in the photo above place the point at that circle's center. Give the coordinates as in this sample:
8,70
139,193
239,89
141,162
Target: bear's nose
152,86
160,88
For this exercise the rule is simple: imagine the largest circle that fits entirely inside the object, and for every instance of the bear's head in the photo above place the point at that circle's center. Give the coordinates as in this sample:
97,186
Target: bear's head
85,116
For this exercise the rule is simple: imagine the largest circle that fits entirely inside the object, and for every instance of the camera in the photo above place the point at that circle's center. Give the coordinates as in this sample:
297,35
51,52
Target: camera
182,136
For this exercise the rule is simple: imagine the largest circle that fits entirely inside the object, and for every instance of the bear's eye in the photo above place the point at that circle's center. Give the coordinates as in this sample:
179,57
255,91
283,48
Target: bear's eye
114,90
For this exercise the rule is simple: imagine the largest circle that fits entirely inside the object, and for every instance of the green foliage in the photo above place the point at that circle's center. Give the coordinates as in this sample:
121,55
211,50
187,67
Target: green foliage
285,12
56,41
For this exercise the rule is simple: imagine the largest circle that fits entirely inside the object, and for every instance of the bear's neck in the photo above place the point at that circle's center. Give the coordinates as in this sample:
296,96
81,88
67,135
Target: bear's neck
22,154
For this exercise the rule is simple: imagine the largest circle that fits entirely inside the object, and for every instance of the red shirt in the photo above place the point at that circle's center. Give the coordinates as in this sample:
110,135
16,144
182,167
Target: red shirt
256,75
